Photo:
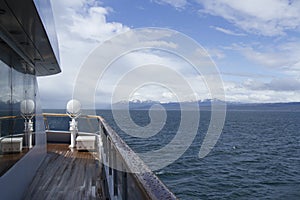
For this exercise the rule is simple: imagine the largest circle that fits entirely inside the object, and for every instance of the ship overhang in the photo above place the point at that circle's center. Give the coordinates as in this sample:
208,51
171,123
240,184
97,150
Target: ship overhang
27,27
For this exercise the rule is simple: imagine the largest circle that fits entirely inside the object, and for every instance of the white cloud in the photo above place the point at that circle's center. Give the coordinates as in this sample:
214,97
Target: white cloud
282,84
154,93
282,57
93,25
276,84
247,75
227,31
216,53
156,63
267,17
81,25
252,91
178,4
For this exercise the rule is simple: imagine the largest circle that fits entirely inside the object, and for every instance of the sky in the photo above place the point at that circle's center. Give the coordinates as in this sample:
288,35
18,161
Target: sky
254,44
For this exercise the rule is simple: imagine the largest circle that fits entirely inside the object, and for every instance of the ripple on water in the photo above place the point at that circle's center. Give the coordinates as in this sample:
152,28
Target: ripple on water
256,157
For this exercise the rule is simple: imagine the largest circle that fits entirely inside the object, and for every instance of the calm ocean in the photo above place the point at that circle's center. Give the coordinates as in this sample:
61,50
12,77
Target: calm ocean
256,157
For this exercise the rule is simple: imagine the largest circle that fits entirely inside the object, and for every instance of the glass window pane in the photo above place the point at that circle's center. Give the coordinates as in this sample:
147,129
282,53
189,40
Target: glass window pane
5,98
15,86
18,95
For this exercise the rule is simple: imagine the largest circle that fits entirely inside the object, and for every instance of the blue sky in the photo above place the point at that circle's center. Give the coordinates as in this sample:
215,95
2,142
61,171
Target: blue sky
255,44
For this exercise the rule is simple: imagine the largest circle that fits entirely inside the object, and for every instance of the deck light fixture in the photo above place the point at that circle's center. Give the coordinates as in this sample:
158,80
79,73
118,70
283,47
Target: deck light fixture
73,111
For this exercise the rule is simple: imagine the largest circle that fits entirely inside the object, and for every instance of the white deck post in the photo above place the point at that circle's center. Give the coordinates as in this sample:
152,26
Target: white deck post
73,130
29,132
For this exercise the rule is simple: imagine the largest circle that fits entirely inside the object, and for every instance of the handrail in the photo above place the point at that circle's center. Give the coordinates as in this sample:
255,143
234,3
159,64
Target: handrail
148,180
55,115
66,115
114,151
10,117
49,115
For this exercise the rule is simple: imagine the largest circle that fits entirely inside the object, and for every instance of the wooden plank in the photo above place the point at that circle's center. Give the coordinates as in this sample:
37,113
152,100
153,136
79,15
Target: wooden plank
66,174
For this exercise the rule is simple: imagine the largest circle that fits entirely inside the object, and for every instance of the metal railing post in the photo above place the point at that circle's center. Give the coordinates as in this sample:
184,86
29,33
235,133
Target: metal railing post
115,172
109,157
124,185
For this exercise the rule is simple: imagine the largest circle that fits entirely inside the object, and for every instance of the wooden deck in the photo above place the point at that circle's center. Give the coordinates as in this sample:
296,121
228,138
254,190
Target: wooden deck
66,175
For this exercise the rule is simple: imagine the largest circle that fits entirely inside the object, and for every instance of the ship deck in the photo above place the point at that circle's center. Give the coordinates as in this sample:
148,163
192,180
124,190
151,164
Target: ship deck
67,174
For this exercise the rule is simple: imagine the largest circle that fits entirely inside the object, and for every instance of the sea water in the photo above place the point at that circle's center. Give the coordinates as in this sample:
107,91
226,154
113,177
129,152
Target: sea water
256,157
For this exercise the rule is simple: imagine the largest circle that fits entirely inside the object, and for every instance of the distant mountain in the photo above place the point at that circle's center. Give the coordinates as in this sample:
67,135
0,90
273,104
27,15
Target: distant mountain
206,105
136,104
289,106
145,105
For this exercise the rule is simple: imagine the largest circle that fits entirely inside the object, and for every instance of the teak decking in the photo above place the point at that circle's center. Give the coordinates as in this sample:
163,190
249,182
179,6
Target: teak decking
66,175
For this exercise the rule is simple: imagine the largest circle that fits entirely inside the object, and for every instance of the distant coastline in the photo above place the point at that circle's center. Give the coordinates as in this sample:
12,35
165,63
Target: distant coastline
203,105
206,105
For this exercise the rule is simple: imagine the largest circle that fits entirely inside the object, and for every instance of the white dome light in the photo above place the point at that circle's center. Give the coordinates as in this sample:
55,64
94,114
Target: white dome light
73,107
27,107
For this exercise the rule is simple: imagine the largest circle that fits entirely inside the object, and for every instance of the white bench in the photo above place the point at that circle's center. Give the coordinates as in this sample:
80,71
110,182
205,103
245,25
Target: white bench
10,145
85,142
